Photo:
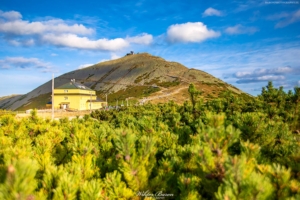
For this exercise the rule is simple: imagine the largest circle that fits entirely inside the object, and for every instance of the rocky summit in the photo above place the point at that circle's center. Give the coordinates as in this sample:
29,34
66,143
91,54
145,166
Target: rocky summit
139,77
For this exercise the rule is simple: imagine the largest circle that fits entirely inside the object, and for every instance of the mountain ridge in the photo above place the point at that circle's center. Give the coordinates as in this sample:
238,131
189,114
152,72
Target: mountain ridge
134,76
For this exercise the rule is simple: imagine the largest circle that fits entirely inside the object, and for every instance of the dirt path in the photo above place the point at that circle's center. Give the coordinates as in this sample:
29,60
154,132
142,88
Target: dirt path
162,94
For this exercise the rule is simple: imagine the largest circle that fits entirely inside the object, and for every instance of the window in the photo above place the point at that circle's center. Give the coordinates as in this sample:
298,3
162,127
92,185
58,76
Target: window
66,98
66,91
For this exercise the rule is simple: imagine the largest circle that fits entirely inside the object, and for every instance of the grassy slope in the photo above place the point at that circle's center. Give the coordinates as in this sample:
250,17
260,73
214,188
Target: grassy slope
131,76
38,102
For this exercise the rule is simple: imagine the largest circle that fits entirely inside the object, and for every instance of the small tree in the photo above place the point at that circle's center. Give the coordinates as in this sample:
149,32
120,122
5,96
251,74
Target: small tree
194,94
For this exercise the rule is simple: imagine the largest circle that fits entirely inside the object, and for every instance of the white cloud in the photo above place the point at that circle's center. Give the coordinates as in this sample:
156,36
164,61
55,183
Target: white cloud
84,66
247,57
114,56
21,27
29,42
239,29
299,83
278,16
286,18
14,42
21,42
53,54
190,32
261,79
24,63
270,77
289,19
143,38
259,75
264,72
10,15
74,41
60,33
104,60
212,12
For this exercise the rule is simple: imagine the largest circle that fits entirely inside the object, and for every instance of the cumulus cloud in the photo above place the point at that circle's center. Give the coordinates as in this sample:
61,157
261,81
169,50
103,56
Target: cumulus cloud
24,63
212,12
74,41
239,29
190,32
260,75
58,32
144,38
10,15
22,27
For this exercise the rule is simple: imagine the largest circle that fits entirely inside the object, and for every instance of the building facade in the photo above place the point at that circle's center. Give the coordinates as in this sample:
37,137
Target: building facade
75,96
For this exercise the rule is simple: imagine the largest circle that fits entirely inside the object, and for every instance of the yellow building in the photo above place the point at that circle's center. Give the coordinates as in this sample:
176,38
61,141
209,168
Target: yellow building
76,96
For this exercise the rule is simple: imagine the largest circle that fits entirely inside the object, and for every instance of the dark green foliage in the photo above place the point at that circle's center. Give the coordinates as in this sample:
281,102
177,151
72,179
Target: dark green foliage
233,147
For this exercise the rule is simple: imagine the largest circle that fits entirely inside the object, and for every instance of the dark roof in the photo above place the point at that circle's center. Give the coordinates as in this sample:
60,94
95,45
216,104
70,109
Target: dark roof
73,85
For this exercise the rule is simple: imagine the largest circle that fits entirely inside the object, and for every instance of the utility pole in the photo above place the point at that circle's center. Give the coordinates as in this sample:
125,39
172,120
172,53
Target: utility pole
90,102
106,99
52,97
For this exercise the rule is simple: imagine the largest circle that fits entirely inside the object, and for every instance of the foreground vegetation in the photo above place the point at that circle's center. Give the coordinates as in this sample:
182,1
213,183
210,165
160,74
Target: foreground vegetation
226,148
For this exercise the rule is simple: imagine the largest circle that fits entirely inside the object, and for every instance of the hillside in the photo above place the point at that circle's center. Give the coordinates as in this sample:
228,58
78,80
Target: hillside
135,76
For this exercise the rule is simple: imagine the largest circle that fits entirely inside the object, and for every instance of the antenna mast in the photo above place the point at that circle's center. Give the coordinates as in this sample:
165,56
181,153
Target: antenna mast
52,97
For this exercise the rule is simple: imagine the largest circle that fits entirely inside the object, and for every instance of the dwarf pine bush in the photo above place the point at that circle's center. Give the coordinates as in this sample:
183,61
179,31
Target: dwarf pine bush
233,147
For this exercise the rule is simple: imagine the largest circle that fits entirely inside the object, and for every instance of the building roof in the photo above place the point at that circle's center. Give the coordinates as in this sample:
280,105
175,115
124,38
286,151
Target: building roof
74,85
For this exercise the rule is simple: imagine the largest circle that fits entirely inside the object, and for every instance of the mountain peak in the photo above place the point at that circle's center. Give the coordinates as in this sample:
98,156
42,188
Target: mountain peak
135,76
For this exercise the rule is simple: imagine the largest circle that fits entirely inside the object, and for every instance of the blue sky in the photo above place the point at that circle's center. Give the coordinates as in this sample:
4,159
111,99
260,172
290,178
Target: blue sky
245,43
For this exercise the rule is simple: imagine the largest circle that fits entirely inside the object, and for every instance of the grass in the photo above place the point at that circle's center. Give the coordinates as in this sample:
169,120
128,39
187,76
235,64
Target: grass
4,105
192,76
22,97
141,77
7,112
164,84
135,91
38,102
169,84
